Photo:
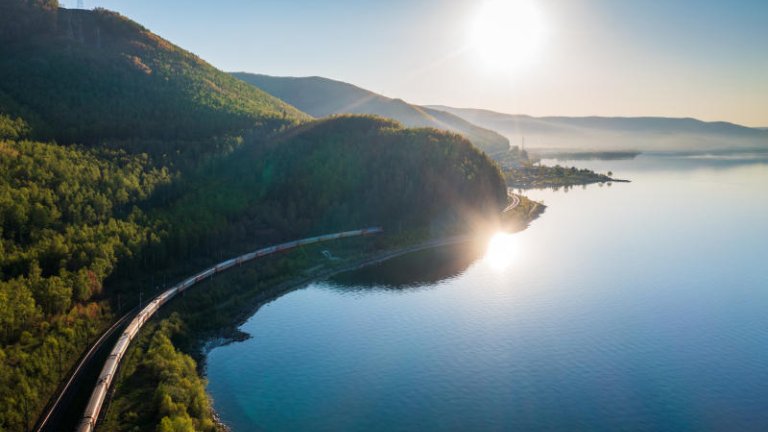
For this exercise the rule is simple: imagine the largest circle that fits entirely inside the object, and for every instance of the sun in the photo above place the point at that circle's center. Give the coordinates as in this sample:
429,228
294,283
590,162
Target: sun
507,34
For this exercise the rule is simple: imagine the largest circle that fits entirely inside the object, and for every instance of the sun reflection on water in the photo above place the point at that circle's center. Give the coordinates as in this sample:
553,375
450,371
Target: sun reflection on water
502,251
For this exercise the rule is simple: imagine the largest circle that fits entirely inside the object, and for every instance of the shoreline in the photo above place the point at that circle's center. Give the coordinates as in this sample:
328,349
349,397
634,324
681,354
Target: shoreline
274,292
231,334
244,296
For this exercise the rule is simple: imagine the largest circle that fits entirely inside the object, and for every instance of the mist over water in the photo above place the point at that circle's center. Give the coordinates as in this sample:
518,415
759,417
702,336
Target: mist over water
636,306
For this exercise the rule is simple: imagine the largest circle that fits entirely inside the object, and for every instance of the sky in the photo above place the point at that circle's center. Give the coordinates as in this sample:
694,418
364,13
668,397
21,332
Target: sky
706,59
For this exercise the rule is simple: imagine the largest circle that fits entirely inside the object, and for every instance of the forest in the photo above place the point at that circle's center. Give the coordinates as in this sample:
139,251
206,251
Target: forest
97,78
67,216
77,221
164,390
149,384
125,160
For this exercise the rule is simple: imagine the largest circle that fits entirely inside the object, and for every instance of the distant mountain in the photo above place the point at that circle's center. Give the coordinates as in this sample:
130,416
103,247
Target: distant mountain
89,76
322,97
615,133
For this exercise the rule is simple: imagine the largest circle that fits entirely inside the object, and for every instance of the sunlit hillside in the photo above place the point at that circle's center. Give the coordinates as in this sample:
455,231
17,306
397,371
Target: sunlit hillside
87,77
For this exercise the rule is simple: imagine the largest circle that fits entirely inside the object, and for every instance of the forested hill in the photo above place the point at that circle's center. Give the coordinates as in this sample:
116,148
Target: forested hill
343,172
77,224
321,97
80,76
129,190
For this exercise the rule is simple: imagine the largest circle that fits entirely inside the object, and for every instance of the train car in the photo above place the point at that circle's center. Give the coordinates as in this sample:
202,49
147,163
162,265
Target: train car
168,295
285,246
132,328
121,346
354,233
85,425
186,284
311,240
200,276
110,367
142,317
88,423
225,265
326,237
150,310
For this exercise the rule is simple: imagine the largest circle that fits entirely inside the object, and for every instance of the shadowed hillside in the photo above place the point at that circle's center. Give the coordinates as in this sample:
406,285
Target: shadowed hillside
324,176
322,97
347,171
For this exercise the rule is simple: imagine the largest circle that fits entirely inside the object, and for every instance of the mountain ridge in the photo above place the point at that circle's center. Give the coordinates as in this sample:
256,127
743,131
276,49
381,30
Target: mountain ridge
321,97
599,132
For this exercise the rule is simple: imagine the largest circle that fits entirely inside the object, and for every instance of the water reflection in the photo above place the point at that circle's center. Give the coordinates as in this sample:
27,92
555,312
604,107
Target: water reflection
412,271
502,251
636,307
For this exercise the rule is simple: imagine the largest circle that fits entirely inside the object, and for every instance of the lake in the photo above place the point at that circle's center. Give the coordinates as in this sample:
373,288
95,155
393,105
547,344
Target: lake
637,306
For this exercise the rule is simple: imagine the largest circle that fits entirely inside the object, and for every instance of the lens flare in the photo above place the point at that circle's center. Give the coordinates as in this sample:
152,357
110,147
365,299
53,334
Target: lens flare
502,251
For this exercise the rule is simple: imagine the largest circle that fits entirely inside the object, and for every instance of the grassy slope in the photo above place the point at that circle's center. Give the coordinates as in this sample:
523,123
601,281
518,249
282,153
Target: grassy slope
321,97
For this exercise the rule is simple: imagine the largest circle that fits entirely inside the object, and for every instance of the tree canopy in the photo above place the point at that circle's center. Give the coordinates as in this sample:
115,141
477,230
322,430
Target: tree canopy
123,156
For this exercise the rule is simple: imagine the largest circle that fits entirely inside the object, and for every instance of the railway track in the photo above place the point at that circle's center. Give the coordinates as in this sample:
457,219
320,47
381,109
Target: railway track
55,404
515,202
101,389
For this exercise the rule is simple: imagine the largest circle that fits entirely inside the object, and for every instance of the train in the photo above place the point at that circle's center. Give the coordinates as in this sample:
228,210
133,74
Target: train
108,371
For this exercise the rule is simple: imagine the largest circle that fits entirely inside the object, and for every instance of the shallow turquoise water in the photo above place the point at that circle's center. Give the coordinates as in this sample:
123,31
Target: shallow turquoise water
640,306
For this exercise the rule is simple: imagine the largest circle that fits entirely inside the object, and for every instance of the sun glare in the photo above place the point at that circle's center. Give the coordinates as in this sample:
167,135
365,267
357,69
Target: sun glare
502,250
507,34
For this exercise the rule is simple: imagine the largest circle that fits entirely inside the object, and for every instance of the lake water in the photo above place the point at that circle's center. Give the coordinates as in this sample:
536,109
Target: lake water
640,306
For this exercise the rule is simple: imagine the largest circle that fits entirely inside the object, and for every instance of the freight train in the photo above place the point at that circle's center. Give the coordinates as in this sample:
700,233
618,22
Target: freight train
93,409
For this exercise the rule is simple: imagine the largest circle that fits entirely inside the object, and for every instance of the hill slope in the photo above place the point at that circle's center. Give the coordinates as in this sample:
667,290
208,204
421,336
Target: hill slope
346,171
90,76
617,133
323,176
322,97
82,226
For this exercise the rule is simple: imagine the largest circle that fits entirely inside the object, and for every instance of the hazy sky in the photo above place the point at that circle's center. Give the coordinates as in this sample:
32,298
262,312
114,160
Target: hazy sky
682,58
